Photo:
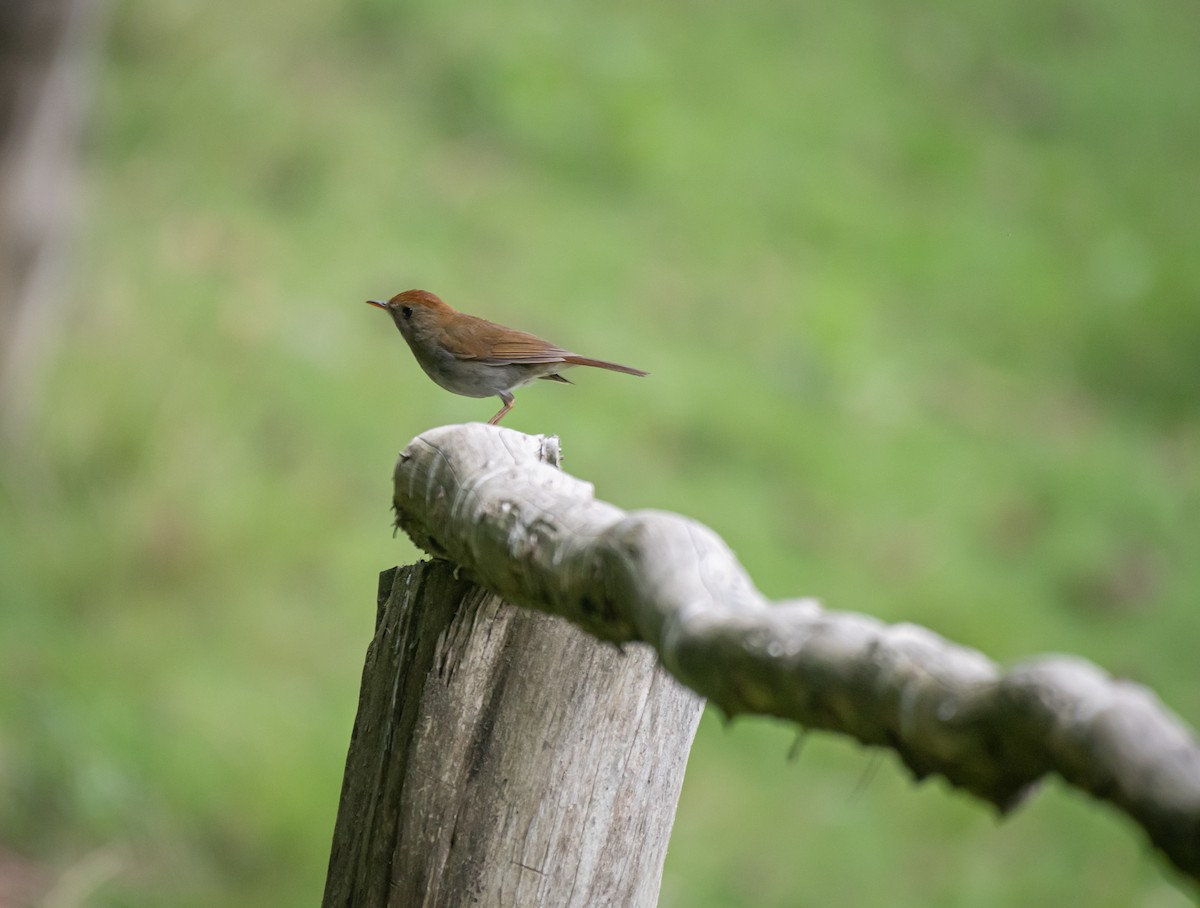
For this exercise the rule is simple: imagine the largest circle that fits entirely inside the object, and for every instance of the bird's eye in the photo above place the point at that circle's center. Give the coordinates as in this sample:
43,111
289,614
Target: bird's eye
406,311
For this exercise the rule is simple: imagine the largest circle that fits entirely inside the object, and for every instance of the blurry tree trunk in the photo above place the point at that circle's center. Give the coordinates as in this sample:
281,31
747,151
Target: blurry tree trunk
45,48
504,757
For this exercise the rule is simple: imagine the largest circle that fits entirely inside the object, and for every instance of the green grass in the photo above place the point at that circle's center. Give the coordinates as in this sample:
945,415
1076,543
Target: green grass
917,287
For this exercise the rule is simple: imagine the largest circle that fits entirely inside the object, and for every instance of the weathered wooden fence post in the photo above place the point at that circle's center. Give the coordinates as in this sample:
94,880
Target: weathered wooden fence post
501,758
504,757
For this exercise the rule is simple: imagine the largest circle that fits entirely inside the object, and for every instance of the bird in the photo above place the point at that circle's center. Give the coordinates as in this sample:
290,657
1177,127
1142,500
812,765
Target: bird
473,357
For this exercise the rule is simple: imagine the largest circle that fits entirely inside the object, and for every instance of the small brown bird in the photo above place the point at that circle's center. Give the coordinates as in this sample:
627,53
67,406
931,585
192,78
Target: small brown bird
477,358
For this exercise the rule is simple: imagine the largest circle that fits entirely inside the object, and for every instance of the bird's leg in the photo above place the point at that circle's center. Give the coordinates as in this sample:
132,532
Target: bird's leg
508,405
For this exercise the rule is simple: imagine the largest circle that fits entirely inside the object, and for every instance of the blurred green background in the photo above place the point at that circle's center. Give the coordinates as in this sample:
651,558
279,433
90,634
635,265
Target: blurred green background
919,287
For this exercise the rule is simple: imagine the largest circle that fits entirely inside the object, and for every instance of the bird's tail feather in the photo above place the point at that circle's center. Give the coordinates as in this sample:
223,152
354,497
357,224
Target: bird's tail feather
601,364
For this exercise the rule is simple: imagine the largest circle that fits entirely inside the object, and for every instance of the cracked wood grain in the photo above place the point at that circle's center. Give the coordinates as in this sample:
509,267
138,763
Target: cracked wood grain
503,757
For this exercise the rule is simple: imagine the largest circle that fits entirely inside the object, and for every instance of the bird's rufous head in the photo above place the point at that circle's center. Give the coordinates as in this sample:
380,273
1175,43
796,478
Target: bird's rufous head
412,299
412,308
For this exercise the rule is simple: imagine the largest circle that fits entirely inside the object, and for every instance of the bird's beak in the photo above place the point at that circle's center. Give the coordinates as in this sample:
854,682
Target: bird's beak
377,304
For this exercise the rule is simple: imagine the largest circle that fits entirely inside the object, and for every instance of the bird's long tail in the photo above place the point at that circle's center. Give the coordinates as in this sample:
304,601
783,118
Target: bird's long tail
601,364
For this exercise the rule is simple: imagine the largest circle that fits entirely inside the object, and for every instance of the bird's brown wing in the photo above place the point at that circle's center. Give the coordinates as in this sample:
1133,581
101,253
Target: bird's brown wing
486,342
